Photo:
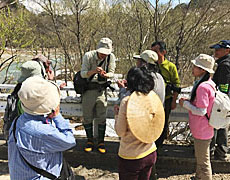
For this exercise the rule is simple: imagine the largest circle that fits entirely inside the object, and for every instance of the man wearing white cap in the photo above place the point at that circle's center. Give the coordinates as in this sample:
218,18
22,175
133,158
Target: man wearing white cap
40,135
97,66
147,58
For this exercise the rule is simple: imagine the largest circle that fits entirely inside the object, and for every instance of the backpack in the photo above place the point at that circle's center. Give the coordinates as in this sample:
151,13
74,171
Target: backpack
220,114
80,84
11,111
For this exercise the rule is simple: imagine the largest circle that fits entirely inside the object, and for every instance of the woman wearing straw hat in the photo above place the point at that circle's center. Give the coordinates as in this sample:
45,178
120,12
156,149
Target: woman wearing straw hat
139,123
200,104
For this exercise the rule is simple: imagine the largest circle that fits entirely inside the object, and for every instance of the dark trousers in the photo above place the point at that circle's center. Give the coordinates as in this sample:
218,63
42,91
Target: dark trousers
163,136
219,144
138,169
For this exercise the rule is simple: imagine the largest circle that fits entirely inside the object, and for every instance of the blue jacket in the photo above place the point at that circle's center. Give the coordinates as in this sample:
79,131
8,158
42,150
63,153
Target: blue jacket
41,144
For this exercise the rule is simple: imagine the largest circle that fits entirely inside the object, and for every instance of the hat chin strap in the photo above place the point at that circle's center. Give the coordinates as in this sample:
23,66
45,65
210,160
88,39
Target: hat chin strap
51,114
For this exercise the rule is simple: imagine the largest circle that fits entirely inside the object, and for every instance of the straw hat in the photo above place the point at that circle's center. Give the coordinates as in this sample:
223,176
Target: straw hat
145,116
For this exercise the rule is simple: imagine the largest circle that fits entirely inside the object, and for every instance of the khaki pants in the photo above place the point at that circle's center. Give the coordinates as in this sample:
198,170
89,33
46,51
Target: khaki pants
203,164
94,106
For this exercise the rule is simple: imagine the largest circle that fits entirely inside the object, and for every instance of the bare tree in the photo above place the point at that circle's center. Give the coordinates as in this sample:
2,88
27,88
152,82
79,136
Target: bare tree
66,21
183,27
5,3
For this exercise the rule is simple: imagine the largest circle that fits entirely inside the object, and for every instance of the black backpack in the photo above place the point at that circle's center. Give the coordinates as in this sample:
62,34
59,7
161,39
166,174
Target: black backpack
11,110
80,84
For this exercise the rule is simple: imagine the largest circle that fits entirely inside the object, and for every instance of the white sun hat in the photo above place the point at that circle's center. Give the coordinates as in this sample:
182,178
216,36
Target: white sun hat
204,62
39,96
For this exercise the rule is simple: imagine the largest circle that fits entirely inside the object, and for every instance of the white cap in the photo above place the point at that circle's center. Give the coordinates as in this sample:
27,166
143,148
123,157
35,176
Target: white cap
148,55
105,46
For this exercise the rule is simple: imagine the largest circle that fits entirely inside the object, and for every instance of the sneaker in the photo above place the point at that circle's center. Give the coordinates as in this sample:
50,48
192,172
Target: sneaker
88,147
101,148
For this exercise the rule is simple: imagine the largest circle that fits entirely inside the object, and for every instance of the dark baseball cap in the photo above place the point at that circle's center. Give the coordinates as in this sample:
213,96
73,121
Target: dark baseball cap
222,44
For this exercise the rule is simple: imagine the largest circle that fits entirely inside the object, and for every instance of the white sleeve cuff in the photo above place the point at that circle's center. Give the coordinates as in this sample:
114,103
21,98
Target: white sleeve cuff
195,110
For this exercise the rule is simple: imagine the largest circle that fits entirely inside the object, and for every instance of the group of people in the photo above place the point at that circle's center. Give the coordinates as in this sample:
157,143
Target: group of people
208,142
39,135
99,65
154,73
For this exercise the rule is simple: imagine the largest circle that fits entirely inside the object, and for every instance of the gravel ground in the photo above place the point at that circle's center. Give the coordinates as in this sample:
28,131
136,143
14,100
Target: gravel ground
97,174
83,173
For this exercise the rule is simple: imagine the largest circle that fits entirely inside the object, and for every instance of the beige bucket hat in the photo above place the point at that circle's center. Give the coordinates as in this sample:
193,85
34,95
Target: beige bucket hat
205,62
148,55
105,46
39,96
145,116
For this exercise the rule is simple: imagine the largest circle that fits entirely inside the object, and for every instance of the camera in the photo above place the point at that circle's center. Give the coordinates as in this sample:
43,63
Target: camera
172,88
100,78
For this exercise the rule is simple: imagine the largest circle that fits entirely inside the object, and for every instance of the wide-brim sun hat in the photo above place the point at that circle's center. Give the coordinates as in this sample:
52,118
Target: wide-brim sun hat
145,116
39,96
29,69
204,62
105,46
148,55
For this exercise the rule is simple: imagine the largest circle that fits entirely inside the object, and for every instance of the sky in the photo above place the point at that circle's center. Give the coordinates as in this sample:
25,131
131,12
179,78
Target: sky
30,5
33,6
175,2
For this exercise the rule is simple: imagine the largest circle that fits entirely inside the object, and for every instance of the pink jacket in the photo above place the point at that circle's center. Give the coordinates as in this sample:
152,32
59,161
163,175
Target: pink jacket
199,125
